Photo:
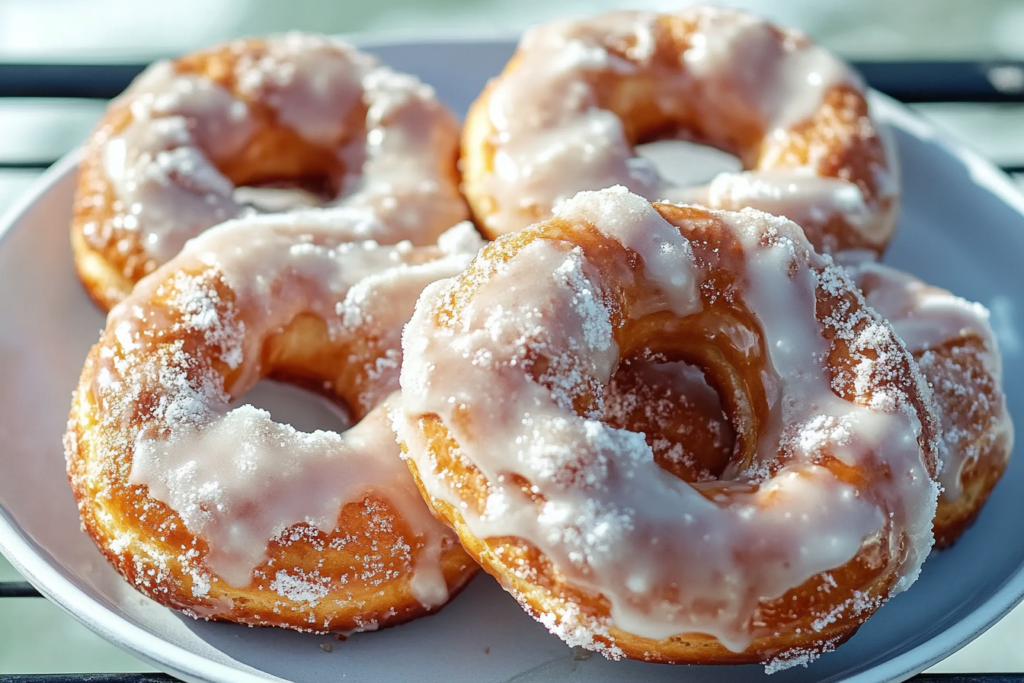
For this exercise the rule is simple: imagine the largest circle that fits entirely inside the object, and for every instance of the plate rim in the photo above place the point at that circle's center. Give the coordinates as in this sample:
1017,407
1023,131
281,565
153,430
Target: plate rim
30,560
1010,594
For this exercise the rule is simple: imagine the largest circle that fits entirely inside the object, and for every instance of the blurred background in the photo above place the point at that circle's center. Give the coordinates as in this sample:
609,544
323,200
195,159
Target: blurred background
58,30
106,31
34,635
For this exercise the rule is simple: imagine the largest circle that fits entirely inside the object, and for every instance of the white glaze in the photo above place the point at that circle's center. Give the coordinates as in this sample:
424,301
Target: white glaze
923,316
163,166
927,318
552,138
311,81
233,475
613,521
804,199
254,478
630,220
168,188
791,76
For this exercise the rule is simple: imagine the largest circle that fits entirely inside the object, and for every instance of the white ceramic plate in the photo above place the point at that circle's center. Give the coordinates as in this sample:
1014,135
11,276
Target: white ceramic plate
962,228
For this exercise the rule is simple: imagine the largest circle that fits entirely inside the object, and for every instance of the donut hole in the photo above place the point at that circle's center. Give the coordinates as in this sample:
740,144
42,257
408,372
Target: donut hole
684,163
727,344
681,416
302,407
281,195
306,380
278,169
286,175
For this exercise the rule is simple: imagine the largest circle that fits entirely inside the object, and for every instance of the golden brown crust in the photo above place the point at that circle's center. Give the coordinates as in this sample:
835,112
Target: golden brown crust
973,405
685,426
541,590
805,621
362,570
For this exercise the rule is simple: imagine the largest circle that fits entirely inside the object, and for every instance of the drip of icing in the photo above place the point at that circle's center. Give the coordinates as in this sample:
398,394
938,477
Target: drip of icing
552,140
233,475
169,188
612,520
927,318
631,220
223,494
164,165
799,196
794,74
311,81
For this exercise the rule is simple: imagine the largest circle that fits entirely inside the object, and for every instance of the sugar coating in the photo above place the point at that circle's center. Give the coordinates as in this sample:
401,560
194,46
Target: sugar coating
637,226
553,135
233,476
611,521
682,417
164,167
577,630
298,587
966,380
798,657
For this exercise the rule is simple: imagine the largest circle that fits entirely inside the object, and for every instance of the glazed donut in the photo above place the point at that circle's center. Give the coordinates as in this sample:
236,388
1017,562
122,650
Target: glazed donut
957,352
824,510
577,96
223,513
177,152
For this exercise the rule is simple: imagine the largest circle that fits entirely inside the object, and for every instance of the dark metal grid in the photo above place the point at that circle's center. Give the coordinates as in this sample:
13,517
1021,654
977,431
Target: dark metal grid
909,82
120,678
918,81
18,589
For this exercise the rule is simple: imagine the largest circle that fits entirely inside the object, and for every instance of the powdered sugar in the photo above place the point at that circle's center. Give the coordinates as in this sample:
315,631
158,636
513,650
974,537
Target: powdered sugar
577,630
798,657
298,587
958,355
597,328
